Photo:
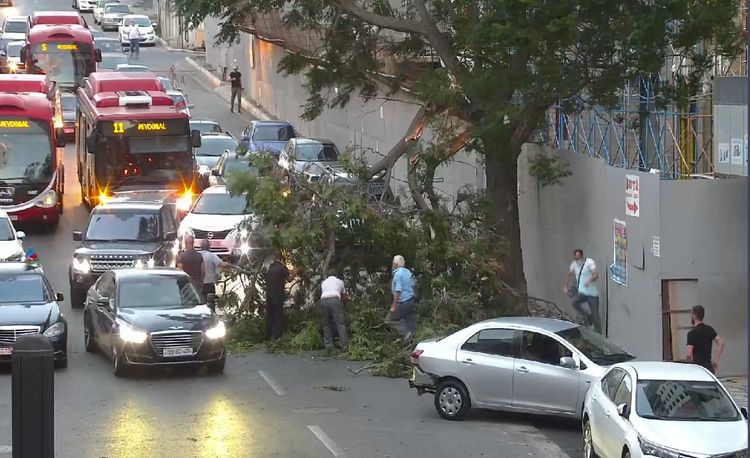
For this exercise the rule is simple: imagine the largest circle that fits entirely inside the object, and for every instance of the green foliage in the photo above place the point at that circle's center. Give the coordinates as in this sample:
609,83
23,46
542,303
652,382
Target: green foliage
548,170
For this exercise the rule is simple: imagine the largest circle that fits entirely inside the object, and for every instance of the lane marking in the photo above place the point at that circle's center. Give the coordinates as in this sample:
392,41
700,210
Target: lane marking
327,441
272,383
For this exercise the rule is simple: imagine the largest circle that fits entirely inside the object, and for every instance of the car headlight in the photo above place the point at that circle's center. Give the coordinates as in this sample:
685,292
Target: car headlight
55,330
81,265
48,199
16,257
217,332
185,201
146,263
652,449
128,334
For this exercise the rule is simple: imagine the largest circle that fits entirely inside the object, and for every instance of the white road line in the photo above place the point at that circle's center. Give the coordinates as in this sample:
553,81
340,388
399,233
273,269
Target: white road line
330,444
272,383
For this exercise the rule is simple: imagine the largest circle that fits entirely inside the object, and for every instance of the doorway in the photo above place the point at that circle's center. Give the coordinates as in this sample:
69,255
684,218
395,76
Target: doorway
677,299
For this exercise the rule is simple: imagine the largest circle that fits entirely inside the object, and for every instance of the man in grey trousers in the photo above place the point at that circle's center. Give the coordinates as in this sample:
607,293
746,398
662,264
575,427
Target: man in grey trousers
332,297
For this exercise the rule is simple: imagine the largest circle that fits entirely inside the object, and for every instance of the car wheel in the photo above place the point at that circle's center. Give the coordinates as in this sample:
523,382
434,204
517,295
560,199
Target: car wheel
626,453
588,441
88,337
452,400
77,298
217,367
119,367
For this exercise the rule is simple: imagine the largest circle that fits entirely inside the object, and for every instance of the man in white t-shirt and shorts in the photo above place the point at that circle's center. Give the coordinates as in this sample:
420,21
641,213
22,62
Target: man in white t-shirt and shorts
332,297
582,289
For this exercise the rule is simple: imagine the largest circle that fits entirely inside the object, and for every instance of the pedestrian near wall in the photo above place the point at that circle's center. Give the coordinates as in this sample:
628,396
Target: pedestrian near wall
332,298
579,285
700,341
402,314
192,262
276,279
236,80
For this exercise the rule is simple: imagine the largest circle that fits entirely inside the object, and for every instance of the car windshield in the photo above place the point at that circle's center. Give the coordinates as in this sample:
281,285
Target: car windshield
158,291
316,152
679,400
69,103
220,204
595,346
216,146
103,3
110,62
108,45
25,152
127,226
116,9
15,27
139,21
6,230
23,288
14,49
273,133
206,127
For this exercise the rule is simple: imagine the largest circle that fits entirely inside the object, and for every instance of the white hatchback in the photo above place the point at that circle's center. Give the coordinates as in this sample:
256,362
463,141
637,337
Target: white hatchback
145,27
662,410
11,245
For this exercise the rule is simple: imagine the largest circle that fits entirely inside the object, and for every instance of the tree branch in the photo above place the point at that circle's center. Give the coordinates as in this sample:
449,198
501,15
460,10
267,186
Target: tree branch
386,22
400,148
416,192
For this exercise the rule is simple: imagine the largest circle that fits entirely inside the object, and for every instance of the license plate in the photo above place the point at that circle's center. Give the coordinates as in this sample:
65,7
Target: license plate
5,351
177,351
216,243
13,217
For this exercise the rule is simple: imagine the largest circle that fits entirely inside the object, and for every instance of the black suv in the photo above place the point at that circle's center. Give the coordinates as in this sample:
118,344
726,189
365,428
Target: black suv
122,235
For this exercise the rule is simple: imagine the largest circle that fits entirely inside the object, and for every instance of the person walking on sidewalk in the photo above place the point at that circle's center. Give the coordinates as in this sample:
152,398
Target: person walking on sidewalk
332,297
582,289
402,314
134,35
236,79
700,341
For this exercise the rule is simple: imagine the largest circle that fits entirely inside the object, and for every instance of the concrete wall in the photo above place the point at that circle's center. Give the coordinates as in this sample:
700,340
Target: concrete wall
702,227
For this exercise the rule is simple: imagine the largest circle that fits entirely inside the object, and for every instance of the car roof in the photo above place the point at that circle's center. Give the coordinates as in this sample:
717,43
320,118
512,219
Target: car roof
308,140
135,16
667,370
272,122
143,273
19,268
129,205
218,189
16,19
203,121
530,322
216,135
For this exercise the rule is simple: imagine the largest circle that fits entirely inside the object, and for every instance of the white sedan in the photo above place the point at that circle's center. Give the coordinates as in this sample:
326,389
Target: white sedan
84,5
11,245
145,27
662,410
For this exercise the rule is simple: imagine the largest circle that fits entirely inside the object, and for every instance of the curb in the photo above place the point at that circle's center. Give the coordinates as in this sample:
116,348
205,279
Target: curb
213,82
171,49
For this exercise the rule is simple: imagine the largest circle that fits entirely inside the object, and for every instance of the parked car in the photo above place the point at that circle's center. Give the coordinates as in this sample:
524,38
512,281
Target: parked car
110,61
108,44
148,37
131,68
267,136
216,216
13,53
11,241
28,306
99,9
69,112
84,5
525,364
662,409
207,127
111,18
208,154
120,235
228,164
16,28
142,317
308,157
180,101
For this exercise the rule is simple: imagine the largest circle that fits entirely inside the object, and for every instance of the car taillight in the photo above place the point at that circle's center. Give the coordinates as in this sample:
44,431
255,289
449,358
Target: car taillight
415,356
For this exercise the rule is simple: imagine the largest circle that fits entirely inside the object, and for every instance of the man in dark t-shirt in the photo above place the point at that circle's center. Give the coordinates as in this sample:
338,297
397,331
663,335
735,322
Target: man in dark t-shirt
700,342
235,77
191,262
276,279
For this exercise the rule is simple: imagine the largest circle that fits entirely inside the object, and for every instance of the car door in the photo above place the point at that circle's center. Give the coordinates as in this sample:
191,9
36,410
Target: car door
485,362
540,384
103,320
598,414
615,427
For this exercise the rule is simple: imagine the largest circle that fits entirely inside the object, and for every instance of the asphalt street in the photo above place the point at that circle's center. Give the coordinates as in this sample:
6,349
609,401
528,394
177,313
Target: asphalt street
263,405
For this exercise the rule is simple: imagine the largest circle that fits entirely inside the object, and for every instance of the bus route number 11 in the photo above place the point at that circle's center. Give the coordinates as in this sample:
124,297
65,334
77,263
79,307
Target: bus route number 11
118,127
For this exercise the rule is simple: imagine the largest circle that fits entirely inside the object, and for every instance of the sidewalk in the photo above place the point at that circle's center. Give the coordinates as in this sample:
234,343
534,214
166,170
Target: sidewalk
737,387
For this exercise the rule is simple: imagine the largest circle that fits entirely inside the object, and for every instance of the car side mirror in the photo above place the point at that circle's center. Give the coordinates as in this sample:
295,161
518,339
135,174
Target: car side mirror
170,236
59,297
91,143
743,410
98,53
191,106
195,138
215,173
20,234
623,410
24,52
568,362
77,236
60,137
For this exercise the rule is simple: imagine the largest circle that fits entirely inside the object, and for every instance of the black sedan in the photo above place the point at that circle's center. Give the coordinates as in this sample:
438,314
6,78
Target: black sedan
28,305
152,318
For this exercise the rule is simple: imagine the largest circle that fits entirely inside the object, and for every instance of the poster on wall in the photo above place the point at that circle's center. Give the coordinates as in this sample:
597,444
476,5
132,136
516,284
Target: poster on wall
724,153
737,151
632,195
619,269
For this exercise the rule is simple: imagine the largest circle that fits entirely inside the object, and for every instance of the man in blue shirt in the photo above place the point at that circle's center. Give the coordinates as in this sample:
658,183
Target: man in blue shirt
402,315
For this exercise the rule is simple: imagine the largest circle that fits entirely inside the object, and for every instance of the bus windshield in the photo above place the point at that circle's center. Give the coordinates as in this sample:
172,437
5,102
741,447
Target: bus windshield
66,63
25,151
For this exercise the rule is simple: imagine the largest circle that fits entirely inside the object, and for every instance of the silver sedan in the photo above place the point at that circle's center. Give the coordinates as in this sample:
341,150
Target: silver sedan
522,364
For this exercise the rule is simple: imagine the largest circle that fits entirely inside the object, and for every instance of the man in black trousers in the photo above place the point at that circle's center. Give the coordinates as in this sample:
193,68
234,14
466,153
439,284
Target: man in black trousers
276,279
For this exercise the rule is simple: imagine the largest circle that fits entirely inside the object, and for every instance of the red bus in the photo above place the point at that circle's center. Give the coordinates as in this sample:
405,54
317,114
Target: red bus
31,168
66,53
132,138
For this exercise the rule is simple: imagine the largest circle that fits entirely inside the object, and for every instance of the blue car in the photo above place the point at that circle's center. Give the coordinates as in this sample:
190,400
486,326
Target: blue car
267,136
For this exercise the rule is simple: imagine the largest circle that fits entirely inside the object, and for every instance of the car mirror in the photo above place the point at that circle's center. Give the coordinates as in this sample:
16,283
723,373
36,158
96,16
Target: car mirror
744,412
195,138
20,234
623,410
98,54
24,51
215,173
60,137
91,143
568,362
59,297
77,236
191,106
170,236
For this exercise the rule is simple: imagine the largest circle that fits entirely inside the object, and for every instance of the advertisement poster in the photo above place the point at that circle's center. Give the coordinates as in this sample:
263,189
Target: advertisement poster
632,195
737,151
619,267
724,153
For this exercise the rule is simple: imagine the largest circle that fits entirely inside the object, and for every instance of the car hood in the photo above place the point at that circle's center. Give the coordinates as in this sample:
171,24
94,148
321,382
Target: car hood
212,222
37,314
696,437
9,248
134,248
151,320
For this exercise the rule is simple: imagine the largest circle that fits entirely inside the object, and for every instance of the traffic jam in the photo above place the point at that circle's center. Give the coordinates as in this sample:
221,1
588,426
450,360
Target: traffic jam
152,177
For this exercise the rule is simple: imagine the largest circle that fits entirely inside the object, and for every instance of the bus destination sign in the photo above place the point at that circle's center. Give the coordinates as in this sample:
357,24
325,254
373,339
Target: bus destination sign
17,126
144,128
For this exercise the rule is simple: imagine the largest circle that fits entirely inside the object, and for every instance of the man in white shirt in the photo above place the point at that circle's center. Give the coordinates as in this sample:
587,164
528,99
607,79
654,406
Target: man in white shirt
332,295
134,35
211,265
583,271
